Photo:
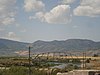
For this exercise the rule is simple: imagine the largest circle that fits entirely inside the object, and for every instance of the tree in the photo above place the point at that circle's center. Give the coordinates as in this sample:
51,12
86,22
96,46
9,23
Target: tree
95,55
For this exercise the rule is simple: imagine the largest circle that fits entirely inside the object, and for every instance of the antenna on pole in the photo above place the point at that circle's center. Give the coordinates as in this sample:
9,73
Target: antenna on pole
29,58
29,61
84,60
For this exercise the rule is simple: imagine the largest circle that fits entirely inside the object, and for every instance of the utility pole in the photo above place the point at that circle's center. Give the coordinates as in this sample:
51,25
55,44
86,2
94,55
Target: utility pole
29,61
84,60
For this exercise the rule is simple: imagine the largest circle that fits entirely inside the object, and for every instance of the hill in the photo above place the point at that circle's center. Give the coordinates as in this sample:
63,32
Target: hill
71,44
9,47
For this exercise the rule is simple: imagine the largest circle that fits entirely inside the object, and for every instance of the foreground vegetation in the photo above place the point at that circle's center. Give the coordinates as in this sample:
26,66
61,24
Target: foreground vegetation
19,66
20,70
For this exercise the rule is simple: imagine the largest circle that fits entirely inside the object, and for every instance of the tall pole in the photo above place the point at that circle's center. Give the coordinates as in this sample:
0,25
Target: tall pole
84,60
29,61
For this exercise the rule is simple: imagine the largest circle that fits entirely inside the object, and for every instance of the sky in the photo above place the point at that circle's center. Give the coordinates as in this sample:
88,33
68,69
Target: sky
32,20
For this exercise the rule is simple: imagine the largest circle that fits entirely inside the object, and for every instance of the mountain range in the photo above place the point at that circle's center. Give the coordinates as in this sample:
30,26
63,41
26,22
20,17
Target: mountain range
10,47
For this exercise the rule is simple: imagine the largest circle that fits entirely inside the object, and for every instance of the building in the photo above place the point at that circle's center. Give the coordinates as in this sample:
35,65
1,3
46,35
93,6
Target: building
81,72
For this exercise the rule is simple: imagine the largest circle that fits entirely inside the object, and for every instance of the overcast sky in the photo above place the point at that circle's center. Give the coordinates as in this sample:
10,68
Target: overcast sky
31,20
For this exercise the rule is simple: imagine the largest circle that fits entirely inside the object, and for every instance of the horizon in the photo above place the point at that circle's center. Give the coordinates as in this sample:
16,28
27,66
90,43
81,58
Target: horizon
32,20
49,40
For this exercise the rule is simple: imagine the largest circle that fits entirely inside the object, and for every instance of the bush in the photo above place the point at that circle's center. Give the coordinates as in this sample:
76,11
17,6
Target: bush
15,71
18,70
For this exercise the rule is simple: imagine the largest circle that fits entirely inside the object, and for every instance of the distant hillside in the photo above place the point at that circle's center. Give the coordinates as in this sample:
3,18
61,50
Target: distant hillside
71,44
8,47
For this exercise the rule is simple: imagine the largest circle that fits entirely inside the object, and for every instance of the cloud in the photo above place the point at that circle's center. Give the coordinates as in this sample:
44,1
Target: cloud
89,8
17,25
58,15
7,12
33,5
8,20
40,16
67,1
12,36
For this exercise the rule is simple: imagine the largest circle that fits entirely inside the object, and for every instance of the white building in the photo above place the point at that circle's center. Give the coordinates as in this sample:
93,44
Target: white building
81,72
